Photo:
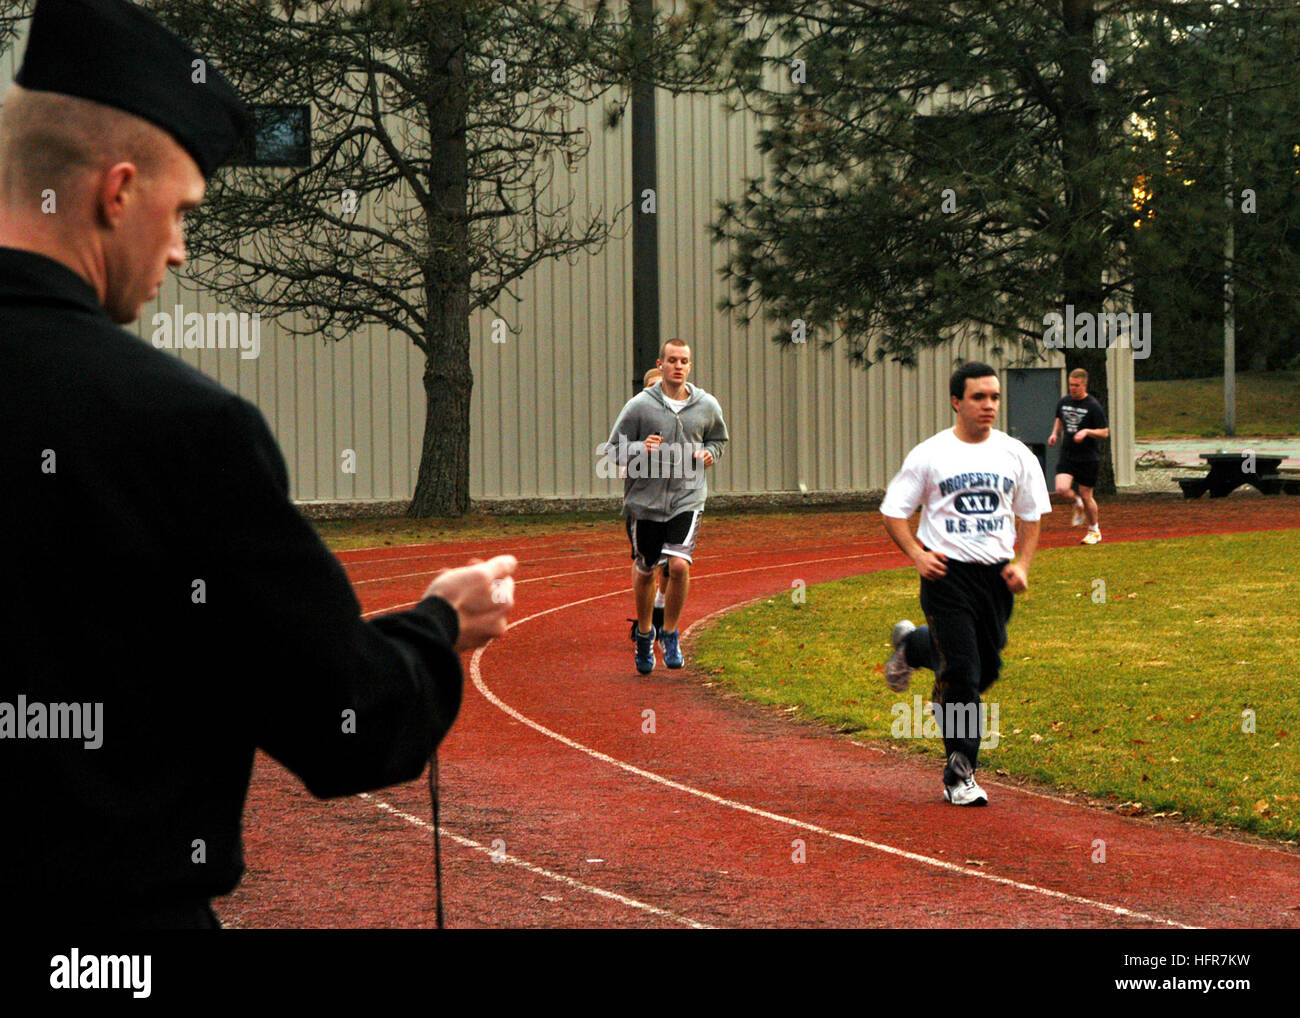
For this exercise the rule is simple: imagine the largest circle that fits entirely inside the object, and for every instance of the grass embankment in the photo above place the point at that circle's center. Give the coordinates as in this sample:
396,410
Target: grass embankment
1132,670
341,535
1268,405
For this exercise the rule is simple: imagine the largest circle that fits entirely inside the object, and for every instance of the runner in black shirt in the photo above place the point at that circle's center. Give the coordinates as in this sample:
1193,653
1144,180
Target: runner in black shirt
1083,422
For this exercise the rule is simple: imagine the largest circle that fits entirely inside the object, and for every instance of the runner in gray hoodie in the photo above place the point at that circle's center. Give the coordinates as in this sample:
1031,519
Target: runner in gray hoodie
665,437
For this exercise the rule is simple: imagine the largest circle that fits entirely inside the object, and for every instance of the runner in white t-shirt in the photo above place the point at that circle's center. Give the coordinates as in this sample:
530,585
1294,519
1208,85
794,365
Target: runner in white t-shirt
970,482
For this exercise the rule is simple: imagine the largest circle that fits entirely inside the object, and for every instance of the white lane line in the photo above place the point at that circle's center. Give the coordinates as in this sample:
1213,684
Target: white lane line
477,675
429,574
925,860
482,687
627,590
468,843
504,857
525,564
804,825
1018,789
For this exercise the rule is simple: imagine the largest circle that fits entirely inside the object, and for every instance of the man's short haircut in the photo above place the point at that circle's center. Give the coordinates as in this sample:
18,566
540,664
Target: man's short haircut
672,342
47,140
651,376
1079,373
971,369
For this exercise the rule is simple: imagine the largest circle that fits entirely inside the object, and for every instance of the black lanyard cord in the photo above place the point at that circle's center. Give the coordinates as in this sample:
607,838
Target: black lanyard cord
437,846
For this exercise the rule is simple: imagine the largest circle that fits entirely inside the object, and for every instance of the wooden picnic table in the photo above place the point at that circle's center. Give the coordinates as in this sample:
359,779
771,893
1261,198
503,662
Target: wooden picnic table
1230,470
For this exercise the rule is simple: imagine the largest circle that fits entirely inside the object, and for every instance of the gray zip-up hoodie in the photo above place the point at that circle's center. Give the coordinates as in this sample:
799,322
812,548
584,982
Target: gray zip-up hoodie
668,481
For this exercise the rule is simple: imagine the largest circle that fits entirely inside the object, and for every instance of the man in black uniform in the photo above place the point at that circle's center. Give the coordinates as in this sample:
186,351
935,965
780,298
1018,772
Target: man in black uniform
1080,424
168,609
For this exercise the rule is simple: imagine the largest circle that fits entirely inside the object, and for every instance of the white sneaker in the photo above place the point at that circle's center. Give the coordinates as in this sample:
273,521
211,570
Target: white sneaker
1080,517
1091,537
965,792
898,674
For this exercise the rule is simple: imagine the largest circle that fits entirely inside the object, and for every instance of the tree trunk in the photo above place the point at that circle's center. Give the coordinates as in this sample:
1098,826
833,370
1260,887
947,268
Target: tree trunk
1083,259
442,485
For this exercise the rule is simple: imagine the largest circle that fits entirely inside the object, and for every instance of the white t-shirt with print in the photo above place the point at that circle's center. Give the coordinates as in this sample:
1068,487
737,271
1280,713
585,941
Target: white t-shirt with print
970,494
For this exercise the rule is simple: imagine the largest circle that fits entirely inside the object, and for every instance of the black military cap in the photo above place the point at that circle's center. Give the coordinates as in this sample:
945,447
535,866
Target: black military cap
115,53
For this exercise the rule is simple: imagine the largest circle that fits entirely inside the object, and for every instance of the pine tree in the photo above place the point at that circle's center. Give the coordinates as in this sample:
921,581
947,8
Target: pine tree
439,145
936,167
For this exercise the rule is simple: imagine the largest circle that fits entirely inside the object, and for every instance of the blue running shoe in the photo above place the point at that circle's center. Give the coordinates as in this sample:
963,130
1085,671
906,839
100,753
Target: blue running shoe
672,652
645,652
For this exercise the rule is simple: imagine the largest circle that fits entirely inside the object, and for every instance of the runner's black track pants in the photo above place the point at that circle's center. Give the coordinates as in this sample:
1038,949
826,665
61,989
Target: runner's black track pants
967,613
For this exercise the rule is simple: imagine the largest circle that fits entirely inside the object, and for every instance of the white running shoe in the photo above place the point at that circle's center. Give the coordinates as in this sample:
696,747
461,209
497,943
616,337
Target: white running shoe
898,674
1080,517
965,792
1091,537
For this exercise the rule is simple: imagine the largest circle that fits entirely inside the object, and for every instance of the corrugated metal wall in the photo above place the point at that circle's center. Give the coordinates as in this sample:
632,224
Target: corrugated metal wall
546,396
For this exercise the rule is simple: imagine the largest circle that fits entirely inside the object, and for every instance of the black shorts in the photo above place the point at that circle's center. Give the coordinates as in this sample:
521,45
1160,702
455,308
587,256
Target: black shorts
1084,472
654,541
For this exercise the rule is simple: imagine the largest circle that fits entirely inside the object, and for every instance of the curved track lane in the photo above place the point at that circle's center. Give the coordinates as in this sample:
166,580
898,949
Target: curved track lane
560,809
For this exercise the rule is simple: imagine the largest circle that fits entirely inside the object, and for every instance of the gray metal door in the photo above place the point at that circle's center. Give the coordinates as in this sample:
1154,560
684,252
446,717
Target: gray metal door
1031,396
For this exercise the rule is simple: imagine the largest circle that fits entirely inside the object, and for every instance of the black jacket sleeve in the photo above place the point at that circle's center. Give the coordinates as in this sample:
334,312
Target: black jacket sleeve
347,705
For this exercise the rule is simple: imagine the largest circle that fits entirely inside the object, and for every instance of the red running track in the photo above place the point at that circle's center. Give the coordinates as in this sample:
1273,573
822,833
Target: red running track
558,810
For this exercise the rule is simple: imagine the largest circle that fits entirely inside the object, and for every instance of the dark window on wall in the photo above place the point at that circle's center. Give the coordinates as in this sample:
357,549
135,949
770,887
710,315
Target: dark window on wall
281,137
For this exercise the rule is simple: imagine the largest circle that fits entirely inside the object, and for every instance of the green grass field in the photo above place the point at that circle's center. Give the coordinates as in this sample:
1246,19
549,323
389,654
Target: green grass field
1268,404
1133,674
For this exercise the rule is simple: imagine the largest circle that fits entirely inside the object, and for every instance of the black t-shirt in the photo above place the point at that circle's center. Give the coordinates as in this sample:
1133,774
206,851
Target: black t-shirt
1077,414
